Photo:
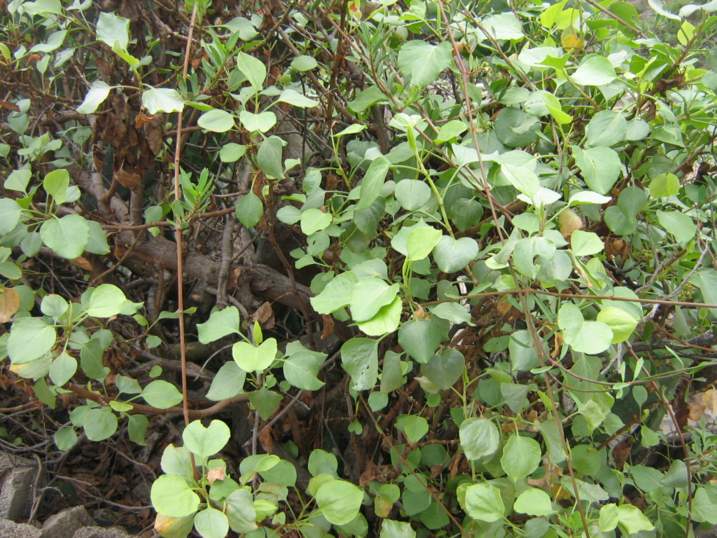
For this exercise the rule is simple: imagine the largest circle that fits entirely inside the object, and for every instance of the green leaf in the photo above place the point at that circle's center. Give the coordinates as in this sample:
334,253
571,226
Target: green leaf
302,366
479,438
706,281
534,502
108,300
161,394
421,241
10,214
211,523
56,183
66,236
631,519
95,96
113,30
483,502
204,442
100,424
452,255
600,167
503,26
594,71
369,295
339,501
253,70
336,294
678,224
157,100
606,128
412,194
359,358
621,323
303,63
421,337
97,239
241,511
454,312
386,320
62,369
269,157
252,358
413,427
53,305
257,123
16,181
585,243
227,383
445,368
30,338
396,529
296,99
664,185
220,324
249,209
231,152
590,337
521,456
65,438
314,220
216,121
171,496
704,504
373,181
450,130
421,62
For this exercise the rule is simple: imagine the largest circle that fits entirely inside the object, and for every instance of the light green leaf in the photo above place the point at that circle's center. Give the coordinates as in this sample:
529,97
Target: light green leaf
253,70
664,185
100,424
621,323
483,502
606,128
421,241
359,358
479,438
113,30
62,369
339,501
16,181
227,383
95,96
585,243
631,519
396,529
452,255
412,194
108,300
594,71
157,100
30,338
220,324
232,152
600,167
204,442
249,209
260,123
369,295
216,121
161,394
302,366
421,337
336,294
422,62
450,130
534,502
386,320
373,181
211,523
503,26
521,457
314,220
413,427
10,214
269,157
252,358
678,224
297,99
303,63
171,496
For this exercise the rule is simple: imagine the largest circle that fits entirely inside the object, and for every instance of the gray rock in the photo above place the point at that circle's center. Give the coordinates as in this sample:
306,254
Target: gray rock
66,523
10,529
17,479
101,532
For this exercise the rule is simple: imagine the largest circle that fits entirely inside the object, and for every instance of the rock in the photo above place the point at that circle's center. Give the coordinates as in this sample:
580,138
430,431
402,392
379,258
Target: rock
18,477
66,523
10,529
101,532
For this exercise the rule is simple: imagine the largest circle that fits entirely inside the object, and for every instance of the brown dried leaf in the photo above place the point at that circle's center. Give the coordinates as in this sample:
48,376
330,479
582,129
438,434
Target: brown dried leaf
131,180
9,304
265,315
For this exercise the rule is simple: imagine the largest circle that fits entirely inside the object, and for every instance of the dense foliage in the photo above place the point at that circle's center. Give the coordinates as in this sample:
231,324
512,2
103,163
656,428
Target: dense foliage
417,268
